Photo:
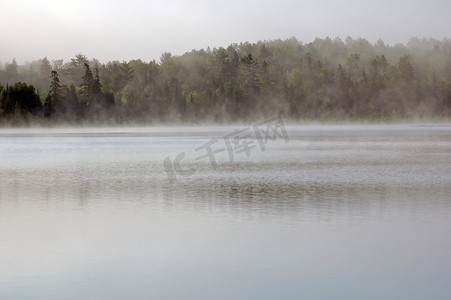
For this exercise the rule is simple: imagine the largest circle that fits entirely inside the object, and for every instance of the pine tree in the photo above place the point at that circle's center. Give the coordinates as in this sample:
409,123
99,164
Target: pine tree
55,87
96,86
52,103
87,85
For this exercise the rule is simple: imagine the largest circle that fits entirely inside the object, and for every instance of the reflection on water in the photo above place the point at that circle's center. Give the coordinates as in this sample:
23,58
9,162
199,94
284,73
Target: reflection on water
337,213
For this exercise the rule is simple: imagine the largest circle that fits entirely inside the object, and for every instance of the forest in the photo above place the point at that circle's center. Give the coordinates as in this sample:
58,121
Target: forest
325,80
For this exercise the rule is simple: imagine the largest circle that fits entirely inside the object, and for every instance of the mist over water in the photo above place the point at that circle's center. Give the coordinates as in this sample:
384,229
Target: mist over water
326,79
219,150
346,212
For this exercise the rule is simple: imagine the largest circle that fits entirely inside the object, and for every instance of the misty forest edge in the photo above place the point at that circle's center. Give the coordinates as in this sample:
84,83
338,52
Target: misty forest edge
323,80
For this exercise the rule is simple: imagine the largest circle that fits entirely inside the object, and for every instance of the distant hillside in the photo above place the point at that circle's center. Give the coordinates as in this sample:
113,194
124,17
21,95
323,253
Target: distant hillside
327,79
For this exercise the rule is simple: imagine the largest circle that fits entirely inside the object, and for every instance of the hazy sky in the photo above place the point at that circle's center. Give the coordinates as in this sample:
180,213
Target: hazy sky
124,30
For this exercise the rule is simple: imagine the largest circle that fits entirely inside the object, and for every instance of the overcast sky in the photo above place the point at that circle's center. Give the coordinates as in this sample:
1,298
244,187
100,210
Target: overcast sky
129,29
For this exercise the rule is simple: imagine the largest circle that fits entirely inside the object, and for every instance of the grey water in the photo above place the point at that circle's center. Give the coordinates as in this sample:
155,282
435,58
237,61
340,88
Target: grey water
335,212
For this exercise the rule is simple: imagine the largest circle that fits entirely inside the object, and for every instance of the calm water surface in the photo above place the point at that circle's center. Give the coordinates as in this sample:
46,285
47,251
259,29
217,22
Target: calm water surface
344,212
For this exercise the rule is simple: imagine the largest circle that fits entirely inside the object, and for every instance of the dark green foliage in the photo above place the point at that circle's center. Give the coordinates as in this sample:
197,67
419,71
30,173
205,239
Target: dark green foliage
55,86
88,83
325,79
20,98
53,102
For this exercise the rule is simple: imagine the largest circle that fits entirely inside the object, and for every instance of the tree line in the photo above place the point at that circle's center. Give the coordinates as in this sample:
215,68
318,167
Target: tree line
327,79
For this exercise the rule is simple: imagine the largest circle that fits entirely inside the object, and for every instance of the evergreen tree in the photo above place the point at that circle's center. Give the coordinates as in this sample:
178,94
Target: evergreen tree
326,78
53,103
55,86
96,86
88,82
21,98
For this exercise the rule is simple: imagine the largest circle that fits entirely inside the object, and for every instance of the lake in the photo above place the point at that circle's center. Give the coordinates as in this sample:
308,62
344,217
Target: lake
303,212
